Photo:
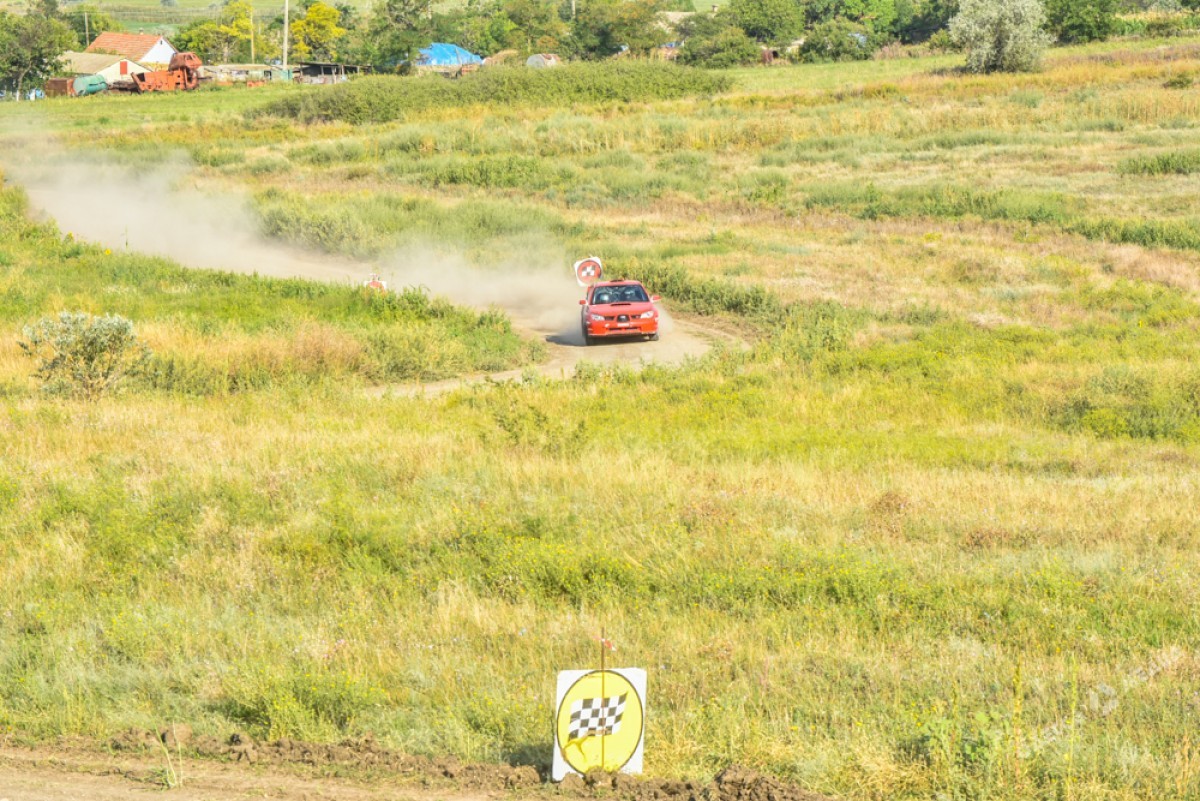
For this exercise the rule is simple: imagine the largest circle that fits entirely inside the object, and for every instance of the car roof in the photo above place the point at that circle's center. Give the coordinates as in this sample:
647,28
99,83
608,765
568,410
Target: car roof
617,283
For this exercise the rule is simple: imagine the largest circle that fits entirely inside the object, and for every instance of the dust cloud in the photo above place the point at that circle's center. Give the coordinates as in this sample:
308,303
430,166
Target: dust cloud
156,212
160,210
538,293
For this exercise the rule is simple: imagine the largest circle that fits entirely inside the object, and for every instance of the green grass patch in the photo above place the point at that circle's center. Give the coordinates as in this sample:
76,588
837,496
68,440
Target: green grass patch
387,98
1183,162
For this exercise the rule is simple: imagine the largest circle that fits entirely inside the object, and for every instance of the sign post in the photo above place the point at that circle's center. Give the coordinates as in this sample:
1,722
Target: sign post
588,271
600,720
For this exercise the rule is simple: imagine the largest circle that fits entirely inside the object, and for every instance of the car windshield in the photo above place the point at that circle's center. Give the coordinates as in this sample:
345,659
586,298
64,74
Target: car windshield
619,294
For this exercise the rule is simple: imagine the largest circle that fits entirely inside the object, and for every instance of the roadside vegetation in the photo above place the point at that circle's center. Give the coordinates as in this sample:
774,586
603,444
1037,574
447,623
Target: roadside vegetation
213,334
930,531
382,99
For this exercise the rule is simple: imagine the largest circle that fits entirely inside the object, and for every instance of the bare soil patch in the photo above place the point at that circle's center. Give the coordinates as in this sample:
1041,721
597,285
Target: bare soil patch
229,769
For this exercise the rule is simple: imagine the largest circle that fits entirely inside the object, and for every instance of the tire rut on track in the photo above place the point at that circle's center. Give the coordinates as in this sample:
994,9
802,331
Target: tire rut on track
237,769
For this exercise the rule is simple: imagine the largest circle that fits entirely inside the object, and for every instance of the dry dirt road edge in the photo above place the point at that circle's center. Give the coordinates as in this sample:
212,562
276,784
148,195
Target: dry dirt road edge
136,765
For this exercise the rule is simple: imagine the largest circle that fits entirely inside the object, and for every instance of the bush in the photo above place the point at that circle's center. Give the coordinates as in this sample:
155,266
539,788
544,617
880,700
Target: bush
730,47
943,42
387,98
82,355
1175,25
1183,162
1074,21
1001,35
837,40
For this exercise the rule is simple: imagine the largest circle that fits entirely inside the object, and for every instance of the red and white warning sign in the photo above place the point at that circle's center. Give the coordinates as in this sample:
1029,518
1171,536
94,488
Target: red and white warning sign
588,271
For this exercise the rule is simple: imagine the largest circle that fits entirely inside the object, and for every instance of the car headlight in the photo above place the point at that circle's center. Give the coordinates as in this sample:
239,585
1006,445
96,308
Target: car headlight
596,318
647,315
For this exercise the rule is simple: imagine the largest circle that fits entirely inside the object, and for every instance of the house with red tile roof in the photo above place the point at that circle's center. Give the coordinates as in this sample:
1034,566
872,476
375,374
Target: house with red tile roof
144,48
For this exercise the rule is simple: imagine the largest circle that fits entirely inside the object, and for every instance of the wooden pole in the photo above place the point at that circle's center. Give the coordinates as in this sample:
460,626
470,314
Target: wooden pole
286,32
87,30
603,696
251,34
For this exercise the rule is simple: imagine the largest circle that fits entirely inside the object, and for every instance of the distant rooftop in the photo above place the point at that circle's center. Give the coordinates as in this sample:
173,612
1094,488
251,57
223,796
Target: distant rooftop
89,63
129,45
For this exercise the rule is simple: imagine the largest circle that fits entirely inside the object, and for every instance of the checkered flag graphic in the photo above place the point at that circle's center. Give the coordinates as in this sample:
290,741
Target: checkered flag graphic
596,716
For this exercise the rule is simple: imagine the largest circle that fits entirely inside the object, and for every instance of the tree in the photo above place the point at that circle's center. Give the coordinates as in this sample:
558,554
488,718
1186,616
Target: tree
88,20
927,18
1075,21
205,39
603,28
1001,35
540,27
482,26
316,35
769,20
82,355
31,47
877,17
236,24
397,30
837,40
715,40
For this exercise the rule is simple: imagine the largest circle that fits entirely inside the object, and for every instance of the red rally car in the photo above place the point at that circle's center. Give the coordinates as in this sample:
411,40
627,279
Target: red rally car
618,309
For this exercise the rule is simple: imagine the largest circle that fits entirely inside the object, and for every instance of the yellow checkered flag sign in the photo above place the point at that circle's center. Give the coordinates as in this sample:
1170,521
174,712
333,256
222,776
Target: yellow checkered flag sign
592,717
600,721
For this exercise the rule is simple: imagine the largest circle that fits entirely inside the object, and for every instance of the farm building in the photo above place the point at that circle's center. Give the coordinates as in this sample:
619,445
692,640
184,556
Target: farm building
114,69
144,48
249,74
327,72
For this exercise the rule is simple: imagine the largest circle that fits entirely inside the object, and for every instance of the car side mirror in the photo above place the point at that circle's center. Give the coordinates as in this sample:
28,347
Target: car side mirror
655,298
583,303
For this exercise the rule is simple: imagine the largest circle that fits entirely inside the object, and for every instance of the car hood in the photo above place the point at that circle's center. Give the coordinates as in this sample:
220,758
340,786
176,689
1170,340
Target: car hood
614,309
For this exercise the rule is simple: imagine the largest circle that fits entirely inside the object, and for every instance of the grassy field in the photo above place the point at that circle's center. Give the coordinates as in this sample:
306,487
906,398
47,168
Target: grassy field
931,534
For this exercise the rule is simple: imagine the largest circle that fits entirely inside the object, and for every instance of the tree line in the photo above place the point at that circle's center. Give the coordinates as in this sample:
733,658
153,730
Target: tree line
388,35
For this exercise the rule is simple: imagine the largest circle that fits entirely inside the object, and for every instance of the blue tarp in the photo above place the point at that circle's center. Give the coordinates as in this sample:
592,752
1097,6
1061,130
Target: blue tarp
446,55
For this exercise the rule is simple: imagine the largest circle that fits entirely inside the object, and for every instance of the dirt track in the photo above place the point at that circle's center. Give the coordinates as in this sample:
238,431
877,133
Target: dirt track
135,766
679,341
124,211
51,776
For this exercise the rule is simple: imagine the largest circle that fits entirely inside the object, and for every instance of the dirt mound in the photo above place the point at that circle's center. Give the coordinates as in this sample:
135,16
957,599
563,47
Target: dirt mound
735,783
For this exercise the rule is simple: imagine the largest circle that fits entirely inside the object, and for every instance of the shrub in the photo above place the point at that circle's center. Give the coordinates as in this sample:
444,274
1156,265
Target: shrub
815,329
1001,35
82,355
1185,162
729,47
837,40
707,295
1175,25
387,98
942,42
1073,21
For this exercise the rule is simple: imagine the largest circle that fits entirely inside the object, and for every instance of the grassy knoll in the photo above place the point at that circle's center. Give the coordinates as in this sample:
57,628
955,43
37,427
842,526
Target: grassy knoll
931,534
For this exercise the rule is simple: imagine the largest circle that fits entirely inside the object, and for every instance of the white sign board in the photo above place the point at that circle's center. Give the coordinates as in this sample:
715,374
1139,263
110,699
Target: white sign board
599,721
588,271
